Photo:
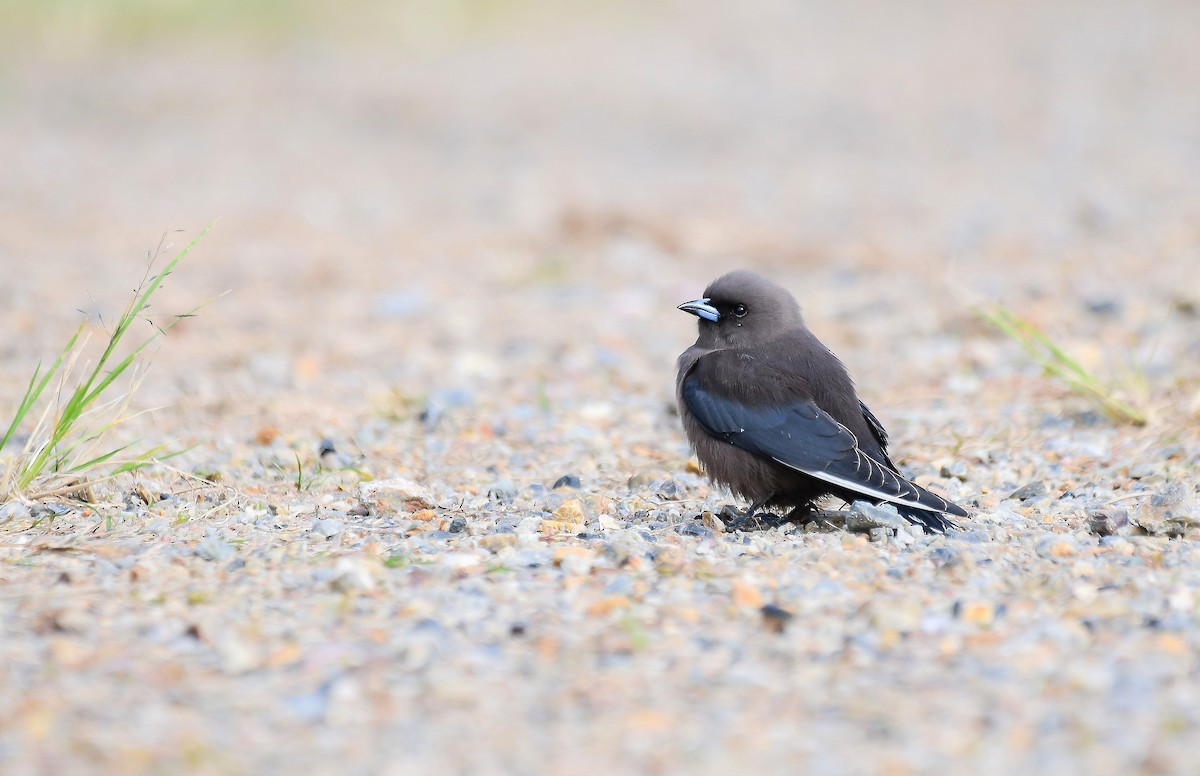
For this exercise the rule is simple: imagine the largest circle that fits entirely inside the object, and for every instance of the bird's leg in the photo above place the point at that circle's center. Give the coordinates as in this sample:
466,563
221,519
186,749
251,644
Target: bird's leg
752,510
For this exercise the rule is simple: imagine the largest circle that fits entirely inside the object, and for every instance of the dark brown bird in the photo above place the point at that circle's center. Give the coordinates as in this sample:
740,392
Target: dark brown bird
773,415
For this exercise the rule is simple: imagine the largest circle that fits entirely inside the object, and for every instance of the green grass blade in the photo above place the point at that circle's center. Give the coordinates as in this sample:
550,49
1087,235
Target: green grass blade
35,389
74,423
1059,364
32,392
147,458
97,460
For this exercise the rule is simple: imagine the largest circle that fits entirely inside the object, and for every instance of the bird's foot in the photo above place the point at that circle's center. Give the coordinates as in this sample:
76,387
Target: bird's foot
750,520
825,519
802,514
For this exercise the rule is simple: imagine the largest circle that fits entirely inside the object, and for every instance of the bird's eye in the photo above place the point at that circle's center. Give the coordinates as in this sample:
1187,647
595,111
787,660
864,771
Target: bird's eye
739,310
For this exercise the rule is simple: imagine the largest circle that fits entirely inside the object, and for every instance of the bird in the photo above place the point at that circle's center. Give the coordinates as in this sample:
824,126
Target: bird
773,415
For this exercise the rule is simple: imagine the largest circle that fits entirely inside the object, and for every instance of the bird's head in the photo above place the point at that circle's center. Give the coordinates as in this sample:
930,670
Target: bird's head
741,309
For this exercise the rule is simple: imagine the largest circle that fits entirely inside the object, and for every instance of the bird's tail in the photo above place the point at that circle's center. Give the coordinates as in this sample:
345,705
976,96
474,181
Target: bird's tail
936,522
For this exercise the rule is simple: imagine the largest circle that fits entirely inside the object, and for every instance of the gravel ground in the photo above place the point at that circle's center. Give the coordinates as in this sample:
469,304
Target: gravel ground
456,265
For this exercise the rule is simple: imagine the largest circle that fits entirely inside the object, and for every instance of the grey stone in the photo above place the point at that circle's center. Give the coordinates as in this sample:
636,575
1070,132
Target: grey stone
213,548
667,489
694,529
976,535
957,470
567,481
14,510
1140,471
1033,490
1107,521
327,527
531,558
641,481
1055,546
1171,511
865,517
156,527
502,491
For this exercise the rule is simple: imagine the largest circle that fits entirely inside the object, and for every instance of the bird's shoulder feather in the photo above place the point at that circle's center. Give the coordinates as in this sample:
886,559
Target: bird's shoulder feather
754,376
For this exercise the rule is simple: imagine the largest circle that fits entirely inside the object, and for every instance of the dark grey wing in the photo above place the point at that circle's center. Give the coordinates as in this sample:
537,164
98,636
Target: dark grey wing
802,436
877,429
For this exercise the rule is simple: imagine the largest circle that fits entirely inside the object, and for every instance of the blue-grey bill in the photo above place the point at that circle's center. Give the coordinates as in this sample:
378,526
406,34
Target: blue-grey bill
701,309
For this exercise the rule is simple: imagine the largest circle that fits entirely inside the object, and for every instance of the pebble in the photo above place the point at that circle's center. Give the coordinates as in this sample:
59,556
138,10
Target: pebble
395,495
1033,490
352,576
1141,471
157,527
976,535
237,655
642,481
666,489
1103,307
577,564
530,557
626,545
606,523
694,529
1170,511
865,517
567,481
956,469
892,617
529,525
1107,521
14,510
508,524
669,557
498,541
436,406
1001,516
502,491
619,585
213,548
776,618
1056,546
327,527
571,512
976,612
944,557
461,559
551,501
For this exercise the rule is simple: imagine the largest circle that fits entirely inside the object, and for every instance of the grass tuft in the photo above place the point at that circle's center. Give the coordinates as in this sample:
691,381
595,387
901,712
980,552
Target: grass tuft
67,448
1060,365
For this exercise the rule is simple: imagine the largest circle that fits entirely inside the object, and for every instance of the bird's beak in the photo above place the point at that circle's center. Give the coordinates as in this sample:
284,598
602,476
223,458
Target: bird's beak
701,309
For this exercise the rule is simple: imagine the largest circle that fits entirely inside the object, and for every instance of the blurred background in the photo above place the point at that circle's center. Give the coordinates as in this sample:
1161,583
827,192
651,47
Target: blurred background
453,235
479,175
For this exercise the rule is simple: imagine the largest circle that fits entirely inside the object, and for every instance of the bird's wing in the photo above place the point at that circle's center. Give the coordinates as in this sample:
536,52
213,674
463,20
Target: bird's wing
802,436
877,429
